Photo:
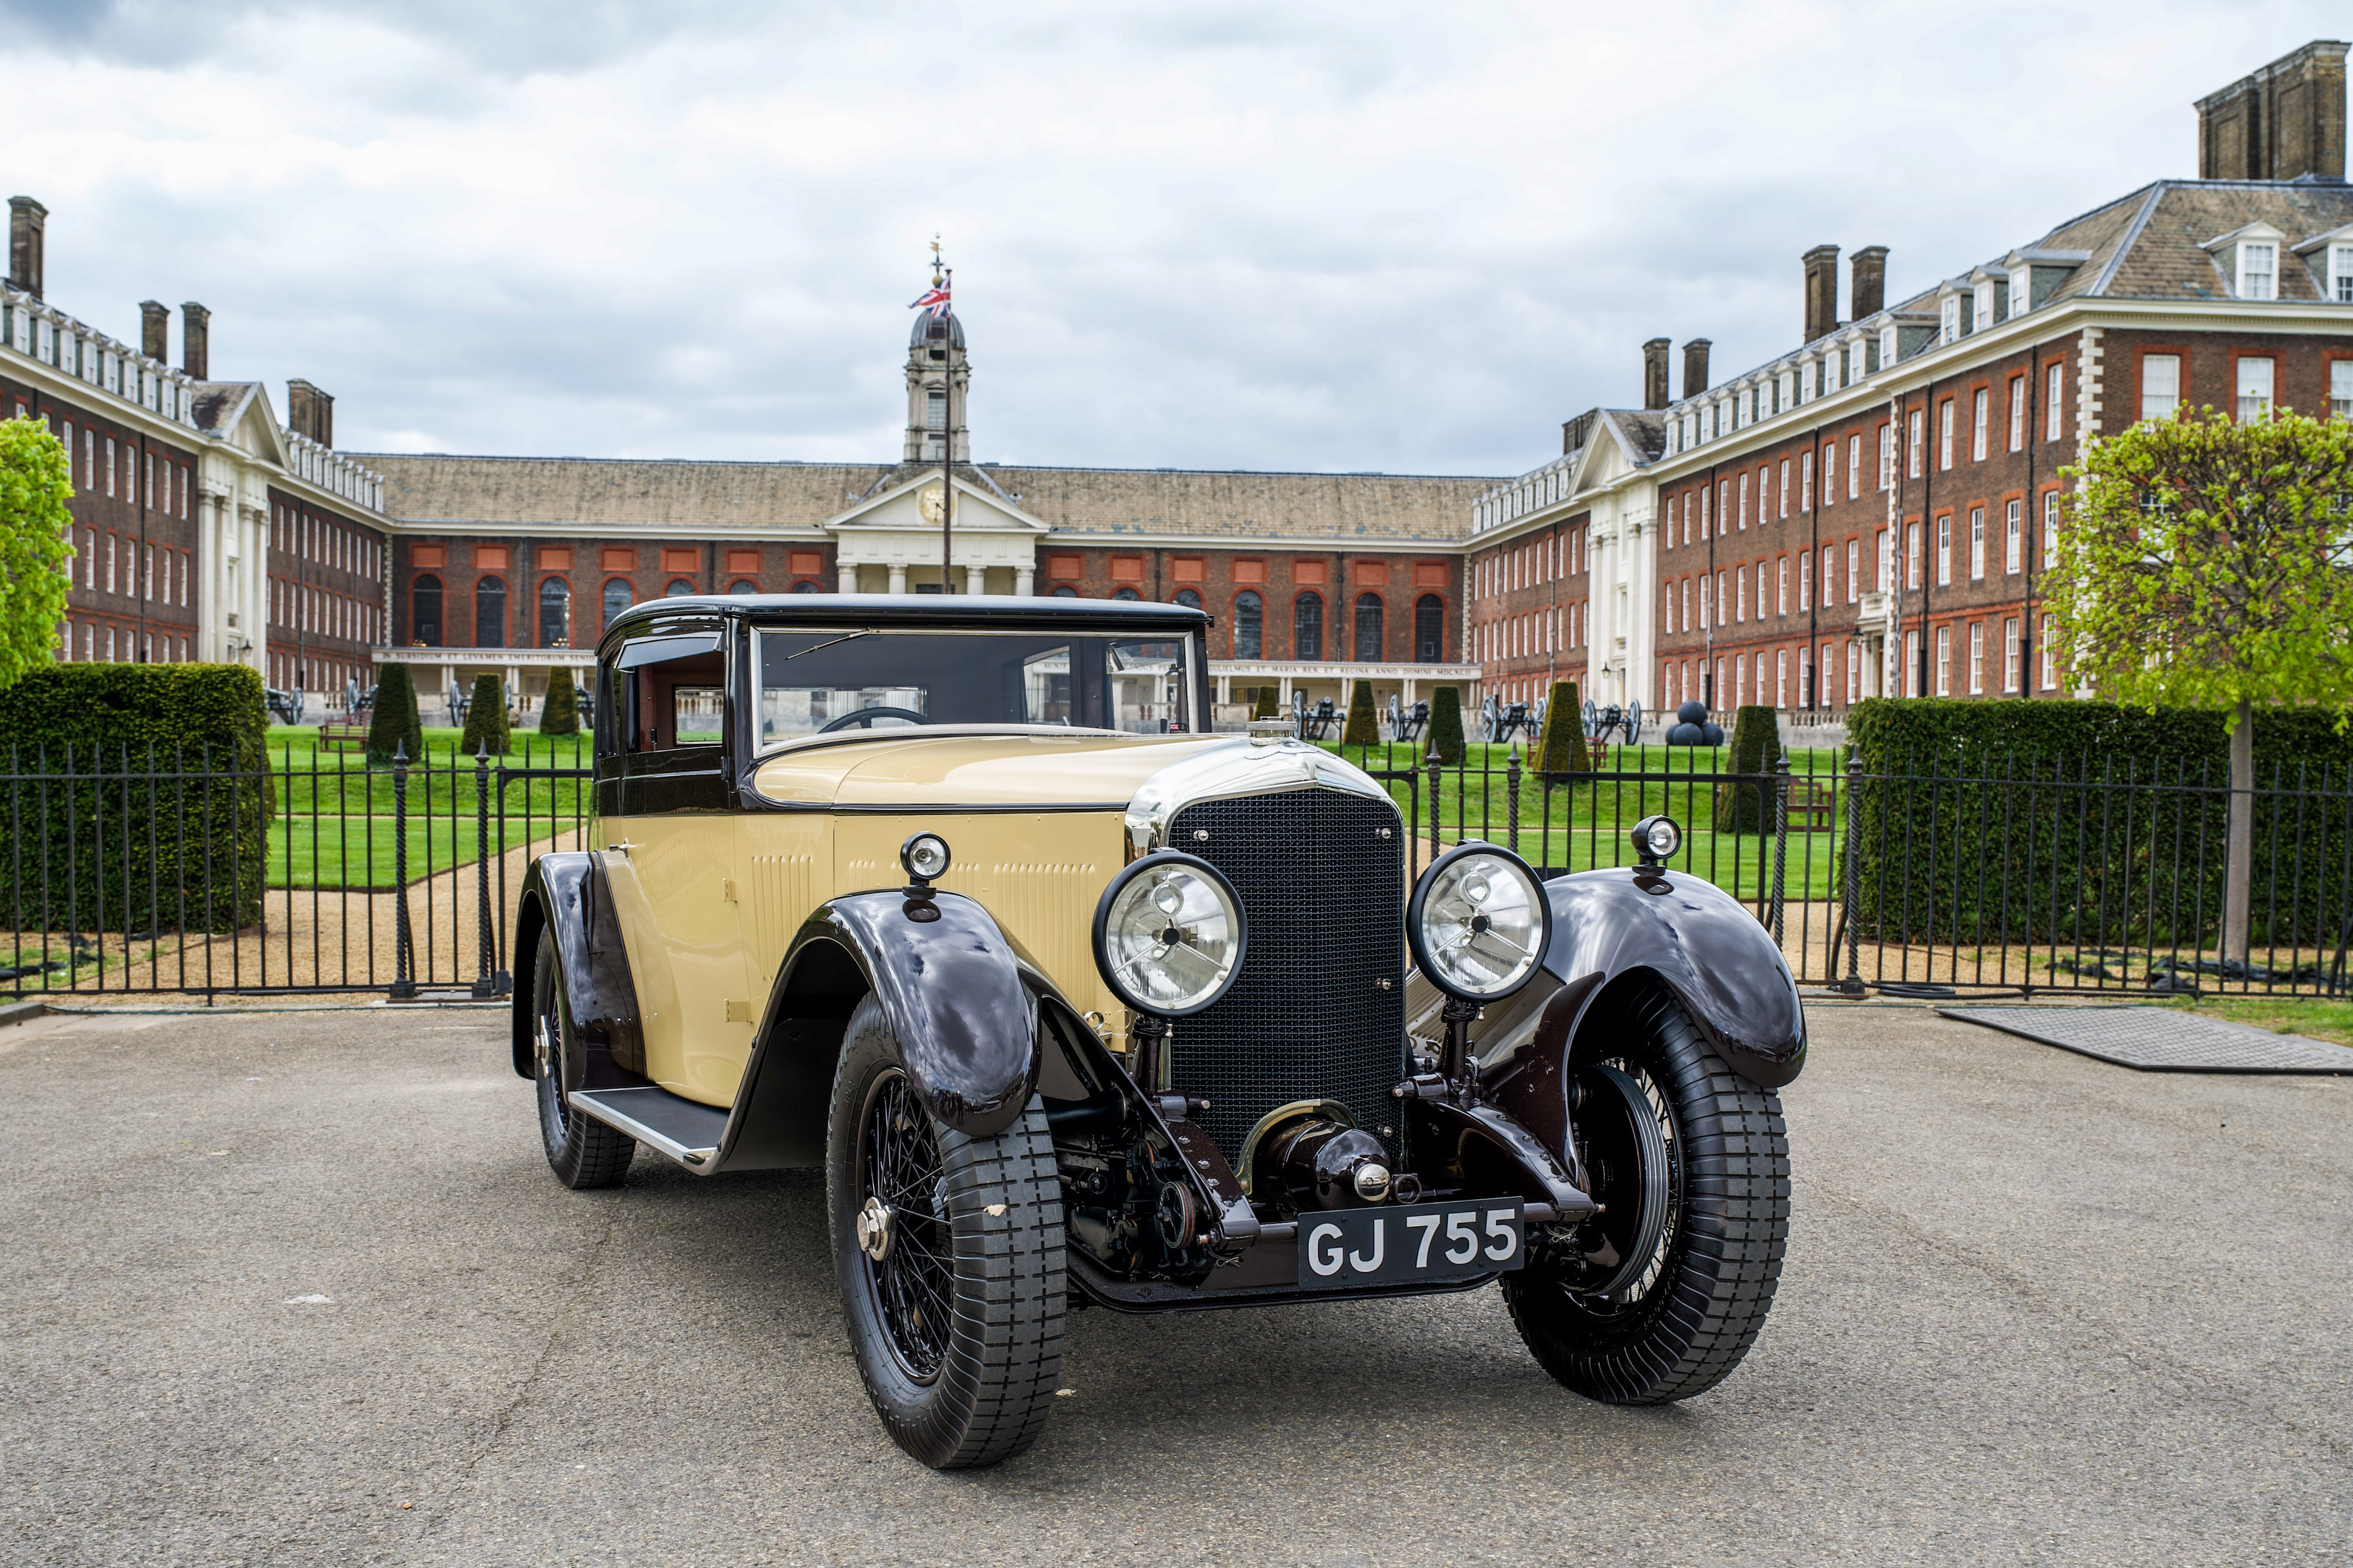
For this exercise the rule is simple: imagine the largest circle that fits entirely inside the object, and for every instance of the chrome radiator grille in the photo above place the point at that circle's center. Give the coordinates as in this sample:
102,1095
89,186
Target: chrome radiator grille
1325,893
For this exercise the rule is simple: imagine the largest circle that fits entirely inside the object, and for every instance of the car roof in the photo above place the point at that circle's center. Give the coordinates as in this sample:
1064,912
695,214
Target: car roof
912,612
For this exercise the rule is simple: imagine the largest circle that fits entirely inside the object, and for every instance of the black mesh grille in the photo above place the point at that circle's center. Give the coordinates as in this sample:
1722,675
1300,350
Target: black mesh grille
1325,893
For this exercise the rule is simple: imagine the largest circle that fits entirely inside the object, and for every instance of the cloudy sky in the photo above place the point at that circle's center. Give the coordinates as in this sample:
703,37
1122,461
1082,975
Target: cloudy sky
1323,235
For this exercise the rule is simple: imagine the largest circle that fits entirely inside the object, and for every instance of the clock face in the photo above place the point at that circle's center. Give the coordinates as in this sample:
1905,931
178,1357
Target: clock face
929,501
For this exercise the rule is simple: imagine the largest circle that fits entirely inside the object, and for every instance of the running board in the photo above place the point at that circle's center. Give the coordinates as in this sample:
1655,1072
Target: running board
684,1130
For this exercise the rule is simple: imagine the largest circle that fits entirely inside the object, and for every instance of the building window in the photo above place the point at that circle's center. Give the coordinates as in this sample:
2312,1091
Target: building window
1978,425
743,585
425,611
1944,661
490,612
618,596
1740,595
1780,586
1744,497
2254,387
2258,270
2013,535
1784,507
1913,441
1984,306
1249,618
1369,628
678,588
1189,598
1307,627
2010,654
2341,389
1949,330
1064,592
1806,477
2051,415
2021,294
1854,467
2340,274
1944,551
2050,527
1806,581
1977,658
1780,677
1945,435
555,613
2050,659
1854,565
2017,413
1977,544
2161,386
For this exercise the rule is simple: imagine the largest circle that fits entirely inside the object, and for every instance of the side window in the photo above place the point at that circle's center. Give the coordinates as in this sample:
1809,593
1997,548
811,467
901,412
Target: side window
665,692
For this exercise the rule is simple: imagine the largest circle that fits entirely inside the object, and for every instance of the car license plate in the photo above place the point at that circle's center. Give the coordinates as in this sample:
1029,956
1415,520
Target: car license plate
1409,1244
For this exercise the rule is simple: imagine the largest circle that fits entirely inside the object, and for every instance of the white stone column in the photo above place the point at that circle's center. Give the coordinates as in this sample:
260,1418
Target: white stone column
898,576
975,580
1025,581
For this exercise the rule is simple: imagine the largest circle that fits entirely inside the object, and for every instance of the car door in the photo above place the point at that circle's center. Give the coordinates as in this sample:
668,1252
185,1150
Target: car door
670,853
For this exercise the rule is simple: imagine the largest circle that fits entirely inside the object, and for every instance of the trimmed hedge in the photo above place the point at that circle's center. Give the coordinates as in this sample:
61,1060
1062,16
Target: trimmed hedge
486,719
1364,728
395,724
1264,708
560,713
137,853
1755,747
2092,822
1443,740
1561,745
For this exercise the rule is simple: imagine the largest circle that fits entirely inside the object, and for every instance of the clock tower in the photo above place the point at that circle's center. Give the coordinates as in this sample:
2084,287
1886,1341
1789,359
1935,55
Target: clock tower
935,359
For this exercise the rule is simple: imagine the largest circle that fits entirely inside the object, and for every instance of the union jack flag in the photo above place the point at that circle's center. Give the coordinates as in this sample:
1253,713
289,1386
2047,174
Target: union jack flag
934,300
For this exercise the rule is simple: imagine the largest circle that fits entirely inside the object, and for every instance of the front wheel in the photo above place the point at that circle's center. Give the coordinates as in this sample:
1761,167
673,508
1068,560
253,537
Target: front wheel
1659,1297
949,1251
582,1150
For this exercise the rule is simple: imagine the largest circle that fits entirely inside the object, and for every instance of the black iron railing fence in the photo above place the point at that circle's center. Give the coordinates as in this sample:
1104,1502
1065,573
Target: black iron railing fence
299,872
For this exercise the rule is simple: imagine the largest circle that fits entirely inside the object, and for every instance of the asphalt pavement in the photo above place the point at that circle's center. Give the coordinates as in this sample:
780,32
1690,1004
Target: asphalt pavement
299,1288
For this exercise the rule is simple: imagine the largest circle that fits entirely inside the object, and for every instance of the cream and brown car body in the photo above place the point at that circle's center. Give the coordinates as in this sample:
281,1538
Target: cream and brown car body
746,891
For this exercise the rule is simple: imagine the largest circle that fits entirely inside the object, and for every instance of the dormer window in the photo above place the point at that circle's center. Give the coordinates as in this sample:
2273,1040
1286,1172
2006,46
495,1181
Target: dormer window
1857,364
1949,328
1888,345
1783,394
1984,306
2258,270
2340,274
2021,288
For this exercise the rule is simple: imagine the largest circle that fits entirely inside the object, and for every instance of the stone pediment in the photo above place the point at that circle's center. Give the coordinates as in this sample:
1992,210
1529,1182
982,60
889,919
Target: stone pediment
912,506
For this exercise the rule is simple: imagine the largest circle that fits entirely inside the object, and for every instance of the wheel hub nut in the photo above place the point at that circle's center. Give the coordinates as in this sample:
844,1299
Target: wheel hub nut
874,1229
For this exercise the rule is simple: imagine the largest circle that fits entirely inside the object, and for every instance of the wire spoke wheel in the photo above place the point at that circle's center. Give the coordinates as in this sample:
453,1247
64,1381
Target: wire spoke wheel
1660,1296
582,1150
907,1260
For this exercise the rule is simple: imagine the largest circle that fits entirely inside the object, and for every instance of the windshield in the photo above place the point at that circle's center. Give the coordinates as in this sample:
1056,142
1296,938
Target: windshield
813,681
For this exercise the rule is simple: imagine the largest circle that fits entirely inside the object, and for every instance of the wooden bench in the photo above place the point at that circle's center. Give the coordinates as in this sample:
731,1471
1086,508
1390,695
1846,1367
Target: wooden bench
1812,806
342,735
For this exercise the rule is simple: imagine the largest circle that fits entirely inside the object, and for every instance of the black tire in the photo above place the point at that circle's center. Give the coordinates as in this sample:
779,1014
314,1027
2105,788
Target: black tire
582,1150
1674,1315
971,1381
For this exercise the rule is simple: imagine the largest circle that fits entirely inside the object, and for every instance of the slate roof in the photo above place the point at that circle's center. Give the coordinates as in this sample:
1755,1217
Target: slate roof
476,491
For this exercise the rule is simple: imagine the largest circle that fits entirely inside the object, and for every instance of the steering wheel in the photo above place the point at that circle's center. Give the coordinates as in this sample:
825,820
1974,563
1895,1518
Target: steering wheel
864,719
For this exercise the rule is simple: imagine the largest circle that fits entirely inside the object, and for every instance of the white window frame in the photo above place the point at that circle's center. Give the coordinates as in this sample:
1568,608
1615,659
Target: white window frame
2257,403
1854,467
2013,552
1949,329
1980,417
1977,544
1982,317
2017,413
2341,389
2161,386
2340,271
2021,292
2053,386
2257,271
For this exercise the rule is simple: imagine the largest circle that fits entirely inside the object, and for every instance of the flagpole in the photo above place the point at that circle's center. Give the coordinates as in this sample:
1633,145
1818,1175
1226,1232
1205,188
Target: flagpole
947,441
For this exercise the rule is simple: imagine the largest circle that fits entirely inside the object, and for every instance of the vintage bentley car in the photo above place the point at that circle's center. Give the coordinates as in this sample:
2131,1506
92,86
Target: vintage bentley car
1077,1004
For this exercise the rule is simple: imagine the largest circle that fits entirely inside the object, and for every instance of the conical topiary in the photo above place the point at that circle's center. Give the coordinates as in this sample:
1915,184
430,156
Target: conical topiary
1755,746
1364,724
1445,740
560,714
395,723
486,718
1265,708
1561,748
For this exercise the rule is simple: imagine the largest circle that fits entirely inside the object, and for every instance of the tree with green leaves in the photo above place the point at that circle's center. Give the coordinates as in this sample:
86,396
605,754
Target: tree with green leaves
1364,728
2208,562
394,722
1444,740
486,719
559,714
1560,746
35,530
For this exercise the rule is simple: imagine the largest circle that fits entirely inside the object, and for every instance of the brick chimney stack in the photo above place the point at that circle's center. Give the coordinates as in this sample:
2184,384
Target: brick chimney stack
310,412
1822,291
154,329
27,222
2285,120
1870,288
1654,372
195,340
1695,366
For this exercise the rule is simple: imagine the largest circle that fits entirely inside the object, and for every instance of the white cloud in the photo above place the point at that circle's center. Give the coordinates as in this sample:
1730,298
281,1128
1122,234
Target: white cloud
1327,237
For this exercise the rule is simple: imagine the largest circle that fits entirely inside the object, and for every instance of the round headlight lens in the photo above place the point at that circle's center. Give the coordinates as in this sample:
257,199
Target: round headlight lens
1479,923
925,857
1170,934
1657,837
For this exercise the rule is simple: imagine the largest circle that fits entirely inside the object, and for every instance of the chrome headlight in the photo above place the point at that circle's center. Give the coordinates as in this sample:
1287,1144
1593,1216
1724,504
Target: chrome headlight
1656,838
925,858
1479,923
1170,934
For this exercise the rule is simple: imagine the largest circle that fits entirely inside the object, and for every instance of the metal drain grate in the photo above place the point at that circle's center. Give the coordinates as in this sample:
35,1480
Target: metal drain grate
2158,1039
